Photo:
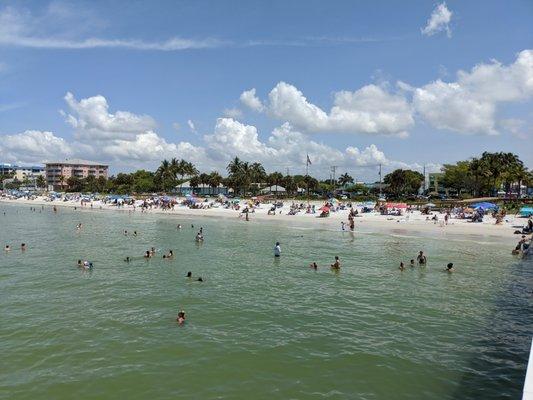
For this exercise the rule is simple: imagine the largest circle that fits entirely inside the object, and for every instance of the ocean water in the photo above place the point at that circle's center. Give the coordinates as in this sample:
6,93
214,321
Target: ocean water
257,327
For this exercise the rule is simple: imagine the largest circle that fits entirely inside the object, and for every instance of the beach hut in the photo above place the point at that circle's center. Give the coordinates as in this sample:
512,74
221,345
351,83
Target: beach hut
274,189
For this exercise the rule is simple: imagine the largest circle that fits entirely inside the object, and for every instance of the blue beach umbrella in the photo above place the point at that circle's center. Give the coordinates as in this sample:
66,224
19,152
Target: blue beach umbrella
485,206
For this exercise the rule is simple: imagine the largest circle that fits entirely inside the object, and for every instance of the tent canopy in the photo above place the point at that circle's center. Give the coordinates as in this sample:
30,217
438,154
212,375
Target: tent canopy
484,205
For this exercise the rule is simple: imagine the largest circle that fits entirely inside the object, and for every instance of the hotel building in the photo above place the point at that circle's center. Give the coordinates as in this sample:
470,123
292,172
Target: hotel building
72,168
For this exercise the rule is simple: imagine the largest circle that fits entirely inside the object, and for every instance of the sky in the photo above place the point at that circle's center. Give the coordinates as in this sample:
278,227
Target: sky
354,84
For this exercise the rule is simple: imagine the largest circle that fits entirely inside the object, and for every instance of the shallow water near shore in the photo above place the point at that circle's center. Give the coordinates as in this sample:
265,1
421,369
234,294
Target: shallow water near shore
257,327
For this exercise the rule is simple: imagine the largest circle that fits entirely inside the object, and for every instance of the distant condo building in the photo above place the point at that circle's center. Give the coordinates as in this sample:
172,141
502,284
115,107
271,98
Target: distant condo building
57,173
21,173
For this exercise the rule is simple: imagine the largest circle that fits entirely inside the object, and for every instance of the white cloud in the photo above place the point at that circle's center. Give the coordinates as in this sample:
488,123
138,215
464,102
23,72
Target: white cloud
438,21
371,109
250,100
33,146
191,126
92,121
469,105
54,28
234,113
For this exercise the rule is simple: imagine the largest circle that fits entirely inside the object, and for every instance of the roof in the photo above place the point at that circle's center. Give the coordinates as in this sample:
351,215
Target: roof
200,186
77,161
274,188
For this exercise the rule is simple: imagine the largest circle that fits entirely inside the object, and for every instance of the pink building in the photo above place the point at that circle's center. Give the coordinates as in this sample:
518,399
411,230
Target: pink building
72,168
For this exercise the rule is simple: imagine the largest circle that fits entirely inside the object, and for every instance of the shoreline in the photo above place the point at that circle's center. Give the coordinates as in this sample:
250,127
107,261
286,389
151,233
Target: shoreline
414,224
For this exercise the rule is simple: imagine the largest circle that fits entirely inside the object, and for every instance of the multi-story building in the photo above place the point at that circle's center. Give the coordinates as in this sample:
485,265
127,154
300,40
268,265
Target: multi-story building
57,173
20,172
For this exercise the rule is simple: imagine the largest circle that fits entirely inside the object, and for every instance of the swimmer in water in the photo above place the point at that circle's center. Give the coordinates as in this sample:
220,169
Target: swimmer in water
199,237
127,259
147,254
152,251
179,226
181,317
412,263
343,226
449,267
402,267
189,274
313,265
23,246
134,233
277,250
7,248
422,259
170,254
79,263
336,264
199,279
125,233
192,226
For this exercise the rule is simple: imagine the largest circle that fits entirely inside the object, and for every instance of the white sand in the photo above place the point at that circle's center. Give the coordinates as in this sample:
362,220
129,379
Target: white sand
413,224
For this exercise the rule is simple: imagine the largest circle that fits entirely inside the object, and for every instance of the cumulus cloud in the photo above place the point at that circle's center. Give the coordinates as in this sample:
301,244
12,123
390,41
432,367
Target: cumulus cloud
91,119
469,105
371,109
250,100
33,146
438,21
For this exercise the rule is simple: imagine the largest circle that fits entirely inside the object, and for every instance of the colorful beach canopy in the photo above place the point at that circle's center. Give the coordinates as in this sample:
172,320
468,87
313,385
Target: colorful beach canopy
526,211
484,205
396,205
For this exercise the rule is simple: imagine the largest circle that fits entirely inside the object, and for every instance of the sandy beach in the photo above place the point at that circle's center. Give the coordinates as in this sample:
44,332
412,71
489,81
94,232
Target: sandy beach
413,223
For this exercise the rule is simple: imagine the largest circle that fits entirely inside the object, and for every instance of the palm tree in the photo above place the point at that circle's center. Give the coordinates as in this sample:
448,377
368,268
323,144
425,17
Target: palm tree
275,178
234,166
345,179
194,182
61,181
41,182
165,175
203,179
215,179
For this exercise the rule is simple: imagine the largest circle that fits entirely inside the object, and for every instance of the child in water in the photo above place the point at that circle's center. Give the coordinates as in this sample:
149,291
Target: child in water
313,265
181,317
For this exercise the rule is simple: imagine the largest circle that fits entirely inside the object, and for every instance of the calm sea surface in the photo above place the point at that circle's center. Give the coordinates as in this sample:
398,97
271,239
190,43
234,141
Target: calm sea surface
257,328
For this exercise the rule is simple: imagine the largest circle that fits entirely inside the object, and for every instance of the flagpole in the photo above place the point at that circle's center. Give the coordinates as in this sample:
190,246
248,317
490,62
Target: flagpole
307,177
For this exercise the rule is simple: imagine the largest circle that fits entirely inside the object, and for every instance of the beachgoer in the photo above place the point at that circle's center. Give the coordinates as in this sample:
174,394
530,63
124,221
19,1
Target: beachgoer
147,254
449,267
277,250
152,251
79,263
402,267
313,265
125,233
134,233
127,259
412,263
421,258
170,254
189,274
181,317
199,237
343,225
199,279
179,226
7,248
337,263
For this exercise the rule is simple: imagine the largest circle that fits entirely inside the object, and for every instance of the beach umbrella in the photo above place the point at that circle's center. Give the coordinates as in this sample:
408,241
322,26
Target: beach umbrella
485,206
526,211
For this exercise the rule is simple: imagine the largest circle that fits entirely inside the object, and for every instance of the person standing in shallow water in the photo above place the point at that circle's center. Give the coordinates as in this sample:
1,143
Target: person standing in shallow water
277,250
337,264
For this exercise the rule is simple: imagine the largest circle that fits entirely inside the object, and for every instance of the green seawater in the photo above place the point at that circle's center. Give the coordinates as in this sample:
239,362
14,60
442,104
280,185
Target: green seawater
257,327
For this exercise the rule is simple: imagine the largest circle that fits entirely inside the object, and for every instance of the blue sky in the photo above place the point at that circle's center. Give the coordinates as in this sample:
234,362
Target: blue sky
172,65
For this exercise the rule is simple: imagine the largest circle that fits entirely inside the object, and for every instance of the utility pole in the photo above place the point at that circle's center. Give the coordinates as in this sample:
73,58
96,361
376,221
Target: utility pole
380,191
333,179
424,179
